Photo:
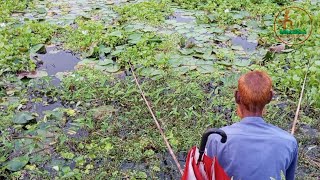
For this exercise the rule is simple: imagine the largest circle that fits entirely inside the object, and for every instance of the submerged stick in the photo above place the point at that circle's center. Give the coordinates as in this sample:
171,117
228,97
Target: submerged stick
156,121
299,104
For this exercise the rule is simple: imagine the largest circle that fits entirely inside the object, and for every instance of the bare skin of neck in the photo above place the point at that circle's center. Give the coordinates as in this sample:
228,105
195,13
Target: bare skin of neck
243,112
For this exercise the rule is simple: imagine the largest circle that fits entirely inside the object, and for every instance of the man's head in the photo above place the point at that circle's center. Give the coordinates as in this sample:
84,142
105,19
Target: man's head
254,92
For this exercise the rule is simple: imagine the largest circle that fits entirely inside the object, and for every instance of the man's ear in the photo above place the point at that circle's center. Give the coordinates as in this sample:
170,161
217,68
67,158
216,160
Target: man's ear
237,96
270,96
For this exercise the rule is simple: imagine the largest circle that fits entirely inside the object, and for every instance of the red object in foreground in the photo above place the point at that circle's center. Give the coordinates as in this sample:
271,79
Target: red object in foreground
199,166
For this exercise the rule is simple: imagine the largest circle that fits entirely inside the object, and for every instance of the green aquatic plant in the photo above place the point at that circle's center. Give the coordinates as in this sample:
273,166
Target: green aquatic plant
17,41
153,12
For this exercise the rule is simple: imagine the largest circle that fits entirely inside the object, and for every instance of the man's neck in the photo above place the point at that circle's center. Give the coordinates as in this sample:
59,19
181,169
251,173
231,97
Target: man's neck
246,113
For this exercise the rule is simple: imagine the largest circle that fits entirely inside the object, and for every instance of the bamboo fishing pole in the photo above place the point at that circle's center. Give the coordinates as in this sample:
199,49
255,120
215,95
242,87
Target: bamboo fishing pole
300,100
156,121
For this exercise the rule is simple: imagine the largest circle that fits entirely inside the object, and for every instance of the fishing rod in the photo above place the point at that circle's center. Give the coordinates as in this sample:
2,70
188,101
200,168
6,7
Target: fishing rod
156,121
300,100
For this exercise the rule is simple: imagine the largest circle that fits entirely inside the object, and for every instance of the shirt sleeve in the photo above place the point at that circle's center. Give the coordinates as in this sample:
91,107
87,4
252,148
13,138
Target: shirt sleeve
211,145
290,173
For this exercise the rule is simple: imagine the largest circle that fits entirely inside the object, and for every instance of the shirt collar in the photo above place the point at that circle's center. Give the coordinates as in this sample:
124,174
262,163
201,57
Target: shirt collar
253,119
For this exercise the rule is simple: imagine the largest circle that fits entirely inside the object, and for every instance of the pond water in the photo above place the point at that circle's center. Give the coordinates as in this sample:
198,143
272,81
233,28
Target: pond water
55,61
244,43
181,17
201,41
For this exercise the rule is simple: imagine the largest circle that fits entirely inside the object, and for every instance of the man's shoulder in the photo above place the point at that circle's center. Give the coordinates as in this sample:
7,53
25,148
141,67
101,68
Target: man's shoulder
238,129
280,133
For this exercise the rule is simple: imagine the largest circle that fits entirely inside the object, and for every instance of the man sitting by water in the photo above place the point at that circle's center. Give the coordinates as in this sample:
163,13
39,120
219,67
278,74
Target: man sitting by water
255,150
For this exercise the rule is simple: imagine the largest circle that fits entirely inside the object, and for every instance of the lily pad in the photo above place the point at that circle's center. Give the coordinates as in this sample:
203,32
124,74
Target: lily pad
22,118
135,38
102,112
42,10
104,50
18,163
32,74
105,62
242,63
186,51
40,49
205,68
116,33
61,75
111,68
221,38
150,72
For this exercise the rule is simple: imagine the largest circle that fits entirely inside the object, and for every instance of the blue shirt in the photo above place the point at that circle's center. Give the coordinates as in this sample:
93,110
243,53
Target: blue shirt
255,150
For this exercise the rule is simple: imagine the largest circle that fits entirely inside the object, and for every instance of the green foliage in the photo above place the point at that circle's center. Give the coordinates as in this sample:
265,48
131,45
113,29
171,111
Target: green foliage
97,126
87,34
230,12
18,40
8,7
153,12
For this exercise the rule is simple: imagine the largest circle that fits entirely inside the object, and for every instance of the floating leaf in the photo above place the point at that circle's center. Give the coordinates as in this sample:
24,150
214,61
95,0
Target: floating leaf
236,47
182,31
55,114
175,62
18,163
40,49
22,117
228,64
116,33
216,30
117,51
111,68
182,70
90,52
32,74
102,112
205,68
221,38
105,62
186,51
212,17
135,38
241,63
42,10
150,72
104,50
61,75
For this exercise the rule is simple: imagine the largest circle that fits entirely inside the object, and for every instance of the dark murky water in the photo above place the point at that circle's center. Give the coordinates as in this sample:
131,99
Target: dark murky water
40,107
181,18
52,62
247,46
55,61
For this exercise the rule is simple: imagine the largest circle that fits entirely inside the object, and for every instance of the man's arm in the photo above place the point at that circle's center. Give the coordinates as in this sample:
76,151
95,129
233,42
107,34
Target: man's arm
211,145
292,167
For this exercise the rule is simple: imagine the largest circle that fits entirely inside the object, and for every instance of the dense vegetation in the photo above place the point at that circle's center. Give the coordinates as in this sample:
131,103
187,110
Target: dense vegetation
94,123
